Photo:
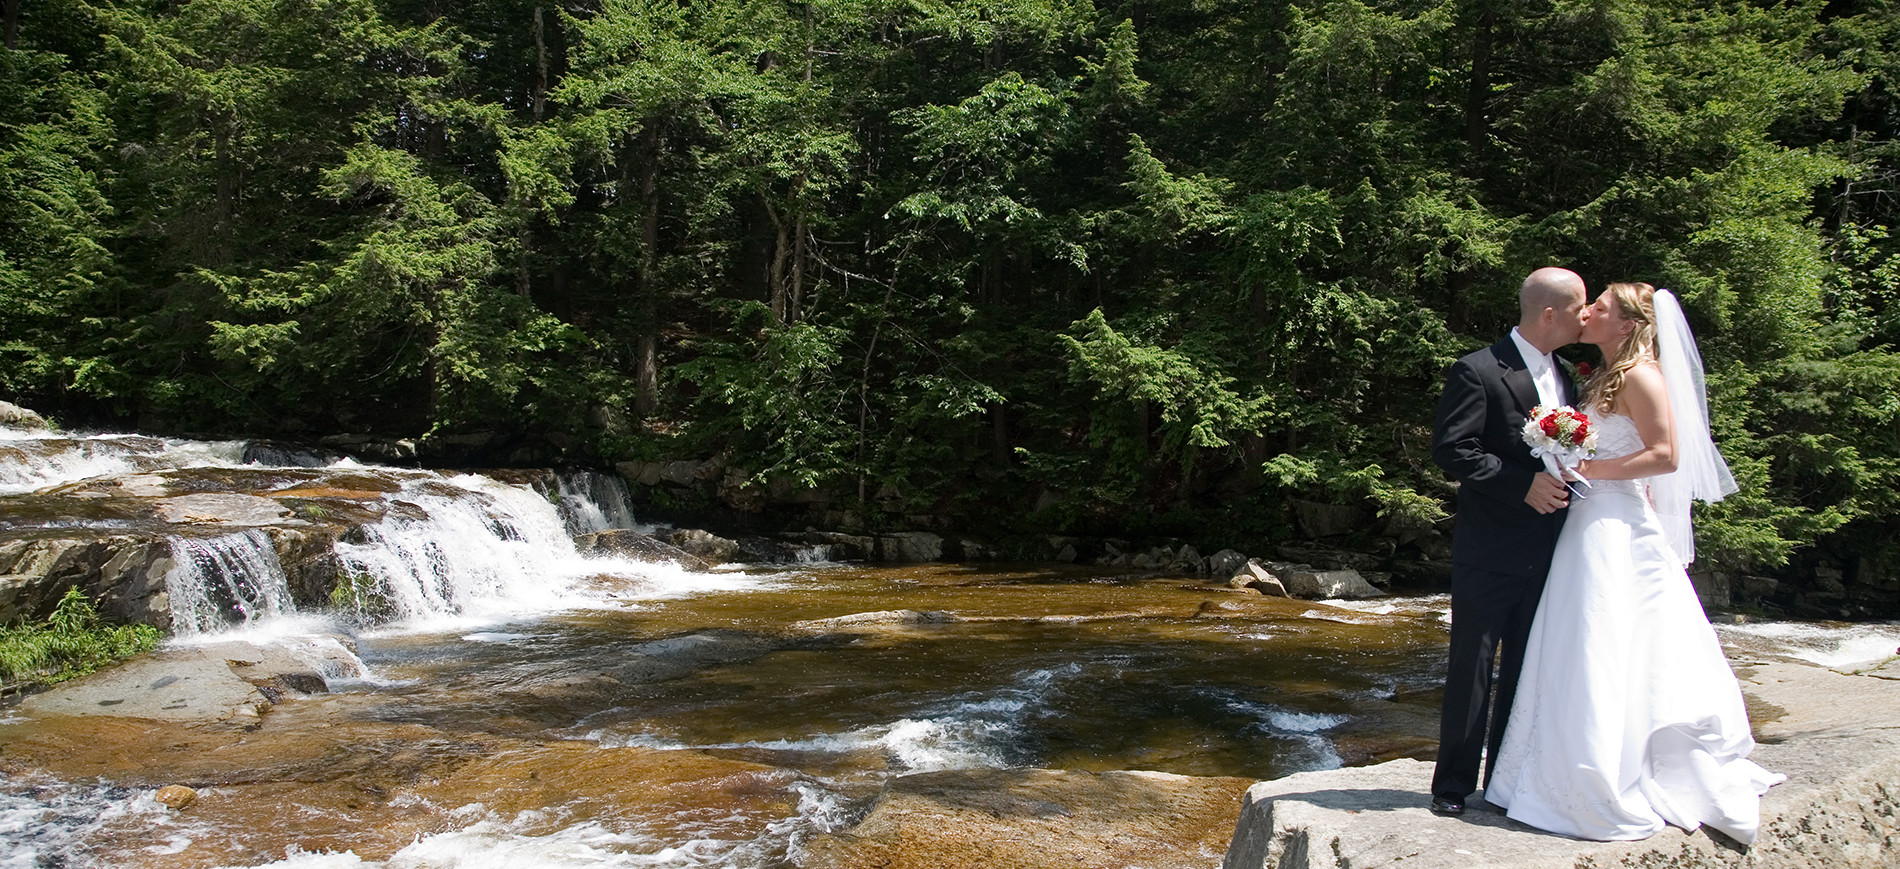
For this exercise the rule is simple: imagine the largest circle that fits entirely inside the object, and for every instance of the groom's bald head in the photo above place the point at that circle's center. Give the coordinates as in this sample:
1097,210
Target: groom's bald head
1550,304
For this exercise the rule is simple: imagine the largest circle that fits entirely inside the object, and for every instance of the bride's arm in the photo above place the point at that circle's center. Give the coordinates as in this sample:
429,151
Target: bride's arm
1645,402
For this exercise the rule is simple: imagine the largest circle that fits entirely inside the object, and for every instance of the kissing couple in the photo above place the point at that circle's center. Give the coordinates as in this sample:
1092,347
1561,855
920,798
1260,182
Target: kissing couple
1616,711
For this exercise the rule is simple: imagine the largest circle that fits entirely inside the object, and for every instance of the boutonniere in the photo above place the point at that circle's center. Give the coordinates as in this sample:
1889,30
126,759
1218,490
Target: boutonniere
1584,369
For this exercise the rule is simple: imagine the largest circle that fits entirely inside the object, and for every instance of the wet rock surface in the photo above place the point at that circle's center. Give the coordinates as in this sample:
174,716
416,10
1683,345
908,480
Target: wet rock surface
351,782
626,543
372,772
219,683
1034,818
1836,737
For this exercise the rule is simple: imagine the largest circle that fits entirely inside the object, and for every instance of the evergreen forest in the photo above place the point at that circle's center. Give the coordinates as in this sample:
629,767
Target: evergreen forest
1060,266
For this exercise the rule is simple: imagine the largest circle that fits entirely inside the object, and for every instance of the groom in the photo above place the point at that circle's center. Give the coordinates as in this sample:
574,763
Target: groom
1509,513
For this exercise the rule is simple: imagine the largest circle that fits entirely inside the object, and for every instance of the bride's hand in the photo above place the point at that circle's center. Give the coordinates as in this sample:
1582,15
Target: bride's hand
1581,471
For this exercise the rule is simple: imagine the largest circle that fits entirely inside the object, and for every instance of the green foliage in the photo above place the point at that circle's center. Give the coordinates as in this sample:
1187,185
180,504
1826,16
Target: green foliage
1141,266
1198,408
71,643
362,596
783,388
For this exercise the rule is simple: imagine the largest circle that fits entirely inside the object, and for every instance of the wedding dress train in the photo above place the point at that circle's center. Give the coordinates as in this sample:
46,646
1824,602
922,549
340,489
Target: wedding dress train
1627,715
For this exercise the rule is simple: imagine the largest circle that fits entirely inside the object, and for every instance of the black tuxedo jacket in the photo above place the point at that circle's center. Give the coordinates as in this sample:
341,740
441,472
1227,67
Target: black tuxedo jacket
1478,439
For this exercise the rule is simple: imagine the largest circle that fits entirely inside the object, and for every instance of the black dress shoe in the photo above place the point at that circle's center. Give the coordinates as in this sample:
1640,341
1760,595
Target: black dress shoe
1448,805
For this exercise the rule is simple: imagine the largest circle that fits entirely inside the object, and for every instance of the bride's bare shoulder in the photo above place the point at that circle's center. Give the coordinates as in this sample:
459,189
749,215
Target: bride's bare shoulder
1644,375
1642,389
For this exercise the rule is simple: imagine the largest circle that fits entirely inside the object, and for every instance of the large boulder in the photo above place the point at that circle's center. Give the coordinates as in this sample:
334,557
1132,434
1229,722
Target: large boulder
881,619
222,508
123,573
679,656
636,546
15,416
373,448
910,547
705,545
221,683
1330,559
1256,576
1226,562
834,545
1327,584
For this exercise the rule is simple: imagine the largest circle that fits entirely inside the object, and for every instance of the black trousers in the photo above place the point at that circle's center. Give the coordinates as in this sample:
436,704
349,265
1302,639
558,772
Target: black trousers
1490,613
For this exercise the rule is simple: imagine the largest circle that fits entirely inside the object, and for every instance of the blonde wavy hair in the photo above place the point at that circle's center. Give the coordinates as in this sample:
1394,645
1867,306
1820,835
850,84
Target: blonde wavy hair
1637,303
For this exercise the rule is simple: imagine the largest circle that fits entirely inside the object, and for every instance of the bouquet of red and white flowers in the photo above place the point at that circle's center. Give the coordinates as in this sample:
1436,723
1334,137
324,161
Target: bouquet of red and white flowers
1562,437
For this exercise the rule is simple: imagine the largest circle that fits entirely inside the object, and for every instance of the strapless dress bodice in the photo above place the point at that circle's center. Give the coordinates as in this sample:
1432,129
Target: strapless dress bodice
1616,437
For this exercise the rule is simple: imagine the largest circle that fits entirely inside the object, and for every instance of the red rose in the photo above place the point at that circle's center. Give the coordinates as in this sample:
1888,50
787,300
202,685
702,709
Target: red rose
1584,369
1549,425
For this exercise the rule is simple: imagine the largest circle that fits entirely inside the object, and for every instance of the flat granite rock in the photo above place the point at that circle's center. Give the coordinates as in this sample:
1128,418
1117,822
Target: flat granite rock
232,682
182,685
224,508
1836,737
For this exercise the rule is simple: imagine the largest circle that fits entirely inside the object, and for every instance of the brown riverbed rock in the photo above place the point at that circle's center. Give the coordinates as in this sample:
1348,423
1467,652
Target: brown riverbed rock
176,797
373,788
1038,819
625,786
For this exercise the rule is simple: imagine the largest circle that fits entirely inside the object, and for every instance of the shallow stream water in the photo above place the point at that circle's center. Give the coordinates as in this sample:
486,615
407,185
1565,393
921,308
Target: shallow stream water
522,705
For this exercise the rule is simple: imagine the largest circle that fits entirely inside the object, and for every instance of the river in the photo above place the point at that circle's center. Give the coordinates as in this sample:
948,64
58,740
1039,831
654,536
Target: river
504,700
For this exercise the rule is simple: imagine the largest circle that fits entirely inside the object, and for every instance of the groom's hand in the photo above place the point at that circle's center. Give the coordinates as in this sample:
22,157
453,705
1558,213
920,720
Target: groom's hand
1547,495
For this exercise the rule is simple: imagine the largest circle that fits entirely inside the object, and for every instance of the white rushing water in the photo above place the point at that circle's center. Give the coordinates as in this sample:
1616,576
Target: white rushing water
979,730
465,551
491,841
33,460
456,551
464,548
49,823
218,583
591,502
1840,646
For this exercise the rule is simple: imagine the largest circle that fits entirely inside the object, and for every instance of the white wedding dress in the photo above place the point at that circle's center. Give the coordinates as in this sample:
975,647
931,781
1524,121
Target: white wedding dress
1627,715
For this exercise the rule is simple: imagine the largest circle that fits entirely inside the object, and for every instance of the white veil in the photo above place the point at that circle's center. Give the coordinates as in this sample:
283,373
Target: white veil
1700,474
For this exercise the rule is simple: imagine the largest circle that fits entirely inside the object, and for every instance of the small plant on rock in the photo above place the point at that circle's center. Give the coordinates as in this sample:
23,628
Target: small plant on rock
72,642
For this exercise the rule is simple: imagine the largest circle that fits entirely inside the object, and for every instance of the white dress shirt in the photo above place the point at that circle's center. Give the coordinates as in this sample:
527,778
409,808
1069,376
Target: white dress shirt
1542,369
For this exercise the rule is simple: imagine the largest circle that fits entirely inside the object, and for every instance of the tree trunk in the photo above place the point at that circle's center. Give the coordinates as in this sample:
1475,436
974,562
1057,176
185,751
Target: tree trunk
540,67
776,277
1478,96
216,245
999,436
646,398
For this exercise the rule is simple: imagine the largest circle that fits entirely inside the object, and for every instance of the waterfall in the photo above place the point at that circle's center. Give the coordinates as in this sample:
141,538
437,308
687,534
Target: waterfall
593,502
30,461
217,583
474,547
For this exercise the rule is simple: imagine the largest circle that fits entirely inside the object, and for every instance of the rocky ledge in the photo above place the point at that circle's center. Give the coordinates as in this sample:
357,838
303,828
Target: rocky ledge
1835,735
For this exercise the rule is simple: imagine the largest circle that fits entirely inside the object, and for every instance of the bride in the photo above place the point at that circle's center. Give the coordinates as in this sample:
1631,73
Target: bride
1627,715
